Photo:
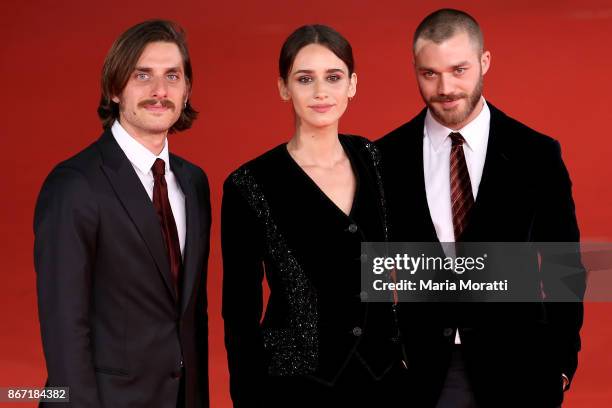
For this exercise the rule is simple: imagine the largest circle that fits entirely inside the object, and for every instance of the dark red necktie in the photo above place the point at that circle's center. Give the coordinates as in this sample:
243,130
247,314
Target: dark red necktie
168,226
462,199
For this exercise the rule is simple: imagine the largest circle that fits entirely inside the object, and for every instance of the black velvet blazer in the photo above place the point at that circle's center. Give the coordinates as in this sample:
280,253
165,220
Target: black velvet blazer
515,352
277,222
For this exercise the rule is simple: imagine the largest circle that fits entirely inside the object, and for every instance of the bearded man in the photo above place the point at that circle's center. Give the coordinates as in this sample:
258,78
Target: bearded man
463,171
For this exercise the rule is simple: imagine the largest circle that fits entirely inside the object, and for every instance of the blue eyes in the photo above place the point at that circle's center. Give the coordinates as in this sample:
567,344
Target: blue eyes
142,76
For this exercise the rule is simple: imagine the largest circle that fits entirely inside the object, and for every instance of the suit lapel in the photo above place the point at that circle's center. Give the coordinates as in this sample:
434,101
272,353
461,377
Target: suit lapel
192,236
416,137
134,198
494,172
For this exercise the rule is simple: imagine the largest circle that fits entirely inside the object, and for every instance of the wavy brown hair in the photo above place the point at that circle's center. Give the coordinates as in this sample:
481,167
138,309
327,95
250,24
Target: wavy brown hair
121,61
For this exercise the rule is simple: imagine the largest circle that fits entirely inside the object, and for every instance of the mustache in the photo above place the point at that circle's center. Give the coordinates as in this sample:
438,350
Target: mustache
166,103
448,97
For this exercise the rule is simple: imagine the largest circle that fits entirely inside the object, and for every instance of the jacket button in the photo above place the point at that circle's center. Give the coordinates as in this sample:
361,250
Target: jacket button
357,331
448,332
352,228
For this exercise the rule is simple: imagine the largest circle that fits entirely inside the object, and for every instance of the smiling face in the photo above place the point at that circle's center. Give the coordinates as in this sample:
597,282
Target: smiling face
155,93
319,85
450,77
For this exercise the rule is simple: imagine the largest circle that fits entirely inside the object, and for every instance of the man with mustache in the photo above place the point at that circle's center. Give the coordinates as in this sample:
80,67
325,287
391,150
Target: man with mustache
122,241
463,171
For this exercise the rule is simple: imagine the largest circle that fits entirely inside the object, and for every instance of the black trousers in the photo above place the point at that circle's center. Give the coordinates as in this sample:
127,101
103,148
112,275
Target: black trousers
457,391
180,401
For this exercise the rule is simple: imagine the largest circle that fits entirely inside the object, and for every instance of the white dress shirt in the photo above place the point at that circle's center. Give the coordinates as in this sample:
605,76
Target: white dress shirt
436,166
142,160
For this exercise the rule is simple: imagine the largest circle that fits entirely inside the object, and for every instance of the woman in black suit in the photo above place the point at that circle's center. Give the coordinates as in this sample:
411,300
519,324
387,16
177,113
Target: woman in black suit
298,214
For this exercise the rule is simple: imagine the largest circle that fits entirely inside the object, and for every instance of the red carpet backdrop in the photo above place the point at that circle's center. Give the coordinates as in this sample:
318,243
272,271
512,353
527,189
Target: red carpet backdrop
551,66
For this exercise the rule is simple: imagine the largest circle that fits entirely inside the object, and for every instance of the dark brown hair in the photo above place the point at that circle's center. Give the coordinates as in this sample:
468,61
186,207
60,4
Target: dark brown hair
121,61
314,34
443,24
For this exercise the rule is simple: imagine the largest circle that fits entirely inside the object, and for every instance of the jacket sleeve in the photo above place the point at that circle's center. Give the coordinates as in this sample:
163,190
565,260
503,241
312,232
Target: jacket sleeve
242,248
556,222
202,301
65,228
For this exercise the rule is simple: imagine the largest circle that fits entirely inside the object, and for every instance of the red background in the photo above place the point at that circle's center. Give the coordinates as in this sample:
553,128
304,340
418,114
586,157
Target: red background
551,67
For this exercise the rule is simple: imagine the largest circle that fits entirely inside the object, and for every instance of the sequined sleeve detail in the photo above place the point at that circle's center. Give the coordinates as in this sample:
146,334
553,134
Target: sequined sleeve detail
374,155
294,350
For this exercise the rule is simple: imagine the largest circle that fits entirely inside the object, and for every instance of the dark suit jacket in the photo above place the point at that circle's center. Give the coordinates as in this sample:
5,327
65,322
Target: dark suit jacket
276,220
515,352
111,326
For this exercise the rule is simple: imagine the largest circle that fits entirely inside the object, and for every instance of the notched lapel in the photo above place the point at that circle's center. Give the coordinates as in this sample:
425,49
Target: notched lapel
495,173
192,241
414,174
134,198
420,189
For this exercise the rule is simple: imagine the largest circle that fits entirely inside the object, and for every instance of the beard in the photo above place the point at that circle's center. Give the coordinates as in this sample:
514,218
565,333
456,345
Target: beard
455,116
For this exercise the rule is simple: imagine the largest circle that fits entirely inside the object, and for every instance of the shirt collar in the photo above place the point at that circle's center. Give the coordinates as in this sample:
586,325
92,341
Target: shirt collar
137,154
475,133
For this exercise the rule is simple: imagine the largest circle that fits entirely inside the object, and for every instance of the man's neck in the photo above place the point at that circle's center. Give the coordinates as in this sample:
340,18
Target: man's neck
154,142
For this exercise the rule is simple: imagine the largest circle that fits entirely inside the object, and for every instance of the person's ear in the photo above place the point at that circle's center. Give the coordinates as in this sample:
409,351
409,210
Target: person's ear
352,85
283,90
485,62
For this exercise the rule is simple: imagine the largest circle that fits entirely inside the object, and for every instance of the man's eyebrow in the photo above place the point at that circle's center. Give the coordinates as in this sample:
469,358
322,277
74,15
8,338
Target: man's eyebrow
455,66
461,64
147,69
